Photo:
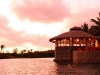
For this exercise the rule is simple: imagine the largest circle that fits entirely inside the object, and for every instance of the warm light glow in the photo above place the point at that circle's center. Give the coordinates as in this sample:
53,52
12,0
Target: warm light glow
96,43
77,39
53,41
70,38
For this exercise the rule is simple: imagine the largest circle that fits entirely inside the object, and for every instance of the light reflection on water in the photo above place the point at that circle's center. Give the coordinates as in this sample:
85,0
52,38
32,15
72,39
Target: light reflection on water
45,66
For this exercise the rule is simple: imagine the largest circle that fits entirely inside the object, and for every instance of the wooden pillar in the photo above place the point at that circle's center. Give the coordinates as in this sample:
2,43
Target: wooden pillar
87,41
60,42
56,43
70,42
79,42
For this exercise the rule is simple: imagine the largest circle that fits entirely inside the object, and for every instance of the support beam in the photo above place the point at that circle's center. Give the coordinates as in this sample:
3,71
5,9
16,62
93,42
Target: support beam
70,42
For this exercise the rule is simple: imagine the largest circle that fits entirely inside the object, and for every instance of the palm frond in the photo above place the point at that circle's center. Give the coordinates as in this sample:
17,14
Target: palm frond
98,18
96,22
85,27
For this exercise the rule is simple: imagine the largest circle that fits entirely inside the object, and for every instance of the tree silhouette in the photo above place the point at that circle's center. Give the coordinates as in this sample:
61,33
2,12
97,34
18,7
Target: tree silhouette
15,50
85,27
24,51
95,29
2,47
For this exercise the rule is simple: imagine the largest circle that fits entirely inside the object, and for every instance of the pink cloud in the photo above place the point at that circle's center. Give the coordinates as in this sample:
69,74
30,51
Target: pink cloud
11,38
85,15
3,23
45,11
38,40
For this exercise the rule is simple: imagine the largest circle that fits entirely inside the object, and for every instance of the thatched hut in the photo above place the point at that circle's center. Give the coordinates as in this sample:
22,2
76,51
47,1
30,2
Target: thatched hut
68,42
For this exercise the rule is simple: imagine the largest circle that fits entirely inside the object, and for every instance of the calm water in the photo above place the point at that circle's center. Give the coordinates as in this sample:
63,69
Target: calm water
45,66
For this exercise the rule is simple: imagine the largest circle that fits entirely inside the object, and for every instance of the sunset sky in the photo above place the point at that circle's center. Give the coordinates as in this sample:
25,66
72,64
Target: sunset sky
29,24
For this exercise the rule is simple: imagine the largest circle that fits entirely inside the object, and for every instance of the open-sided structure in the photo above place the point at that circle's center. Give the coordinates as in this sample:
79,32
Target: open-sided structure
68,42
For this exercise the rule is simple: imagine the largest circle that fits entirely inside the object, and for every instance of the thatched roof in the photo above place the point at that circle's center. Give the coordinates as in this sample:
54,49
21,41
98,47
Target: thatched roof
75,32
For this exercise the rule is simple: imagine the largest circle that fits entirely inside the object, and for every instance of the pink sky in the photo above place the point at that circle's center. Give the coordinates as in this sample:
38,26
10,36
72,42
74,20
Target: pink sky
29,24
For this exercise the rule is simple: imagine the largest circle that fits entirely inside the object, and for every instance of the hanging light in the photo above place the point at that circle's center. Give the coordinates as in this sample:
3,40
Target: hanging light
77,39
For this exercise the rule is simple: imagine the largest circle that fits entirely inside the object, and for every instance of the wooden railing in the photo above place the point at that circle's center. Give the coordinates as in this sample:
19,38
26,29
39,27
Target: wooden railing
90,49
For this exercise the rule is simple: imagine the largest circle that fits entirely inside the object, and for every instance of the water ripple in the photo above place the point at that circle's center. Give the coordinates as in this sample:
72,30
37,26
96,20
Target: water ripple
45,66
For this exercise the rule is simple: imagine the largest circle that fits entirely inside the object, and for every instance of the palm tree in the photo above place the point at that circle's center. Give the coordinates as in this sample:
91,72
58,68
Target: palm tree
31,50
24,51
2,47
15,50
95,29
85,27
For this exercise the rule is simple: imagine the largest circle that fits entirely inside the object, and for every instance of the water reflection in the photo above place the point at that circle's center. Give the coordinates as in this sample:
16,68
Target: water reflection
77,69
45,66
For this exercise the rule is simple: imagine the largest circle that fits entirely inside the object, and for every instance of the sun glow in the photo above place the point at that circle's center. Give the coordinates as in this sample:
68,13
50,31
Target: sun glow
4,6
30,27
35,28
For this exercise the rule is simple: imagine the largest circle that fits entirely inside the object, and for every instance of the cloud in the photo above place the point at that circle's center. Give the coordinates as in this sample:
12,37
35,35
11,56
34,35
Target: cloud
44,11
38,40
11,38
3,22
79,18
8,36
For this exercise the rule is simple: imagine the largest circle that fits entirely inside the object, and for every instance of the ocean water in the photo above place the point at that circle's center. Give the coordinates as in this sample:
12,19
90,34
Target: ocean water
45,66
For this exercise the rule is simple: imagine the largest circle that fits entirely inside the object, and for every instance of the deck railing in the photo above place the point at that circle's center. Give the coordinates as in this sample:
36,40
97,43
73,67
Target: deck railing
90,49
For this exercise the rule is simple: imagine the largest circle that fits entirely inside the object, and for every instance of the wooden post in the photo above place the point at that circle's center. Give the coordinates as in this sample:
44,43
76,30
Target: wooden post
70,43
56,43
87,42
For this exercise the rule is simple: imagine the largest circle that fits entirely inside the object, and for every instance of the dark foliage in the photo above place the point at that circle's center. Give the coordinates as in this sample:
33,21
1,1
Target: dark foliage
36,54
